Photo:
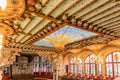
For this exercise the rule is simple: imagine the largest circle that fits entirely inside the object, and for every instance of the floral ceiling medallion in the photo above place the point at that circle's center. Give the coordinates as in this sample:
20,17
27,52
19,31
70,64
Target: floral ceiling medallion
13,9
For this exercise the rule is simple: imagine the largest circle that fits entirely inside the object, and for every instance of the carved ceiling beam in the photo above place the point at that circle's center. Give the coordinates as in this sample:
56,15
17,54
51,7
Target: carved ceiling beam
29,48
25,34
46,17
44,34
102,39
77,23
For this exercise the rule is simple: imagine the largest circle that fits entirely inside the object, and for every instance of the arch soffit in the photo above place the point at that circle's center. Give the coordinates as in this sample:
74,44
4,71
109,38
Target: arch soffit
68,54
84,53
108,49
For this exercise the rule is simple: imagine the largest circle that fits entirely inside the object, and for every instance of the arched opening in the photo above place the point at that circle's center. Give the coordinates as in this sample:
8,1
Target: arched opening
79,65
42,67
93,65
72,65
68,63
113,64
75,65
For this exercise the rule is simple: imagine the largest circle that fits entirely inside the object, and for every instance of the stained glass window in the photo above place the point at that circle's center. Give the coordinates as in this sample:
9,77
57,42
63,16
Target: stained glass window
36,64
80,66
99,70
91,65
41,64
72,65
63,36
113,64
75,68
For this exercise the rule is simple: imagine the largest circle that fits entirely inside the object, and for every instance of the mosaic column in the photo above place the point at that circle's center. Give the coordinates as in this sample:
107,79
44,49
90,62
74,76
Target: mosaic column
83,66
103,68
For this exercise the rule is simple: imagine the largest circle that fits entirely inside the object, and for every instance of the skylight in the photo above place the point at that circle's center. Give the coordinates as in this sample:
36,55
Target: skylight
63,36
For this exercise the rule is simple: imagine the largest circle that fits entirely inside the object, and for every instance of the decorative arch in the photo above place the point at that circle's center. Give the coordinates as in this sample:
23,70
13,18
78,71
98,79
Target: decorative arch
42,64
67,54
113,64
67,57
84,53
92,66
106,50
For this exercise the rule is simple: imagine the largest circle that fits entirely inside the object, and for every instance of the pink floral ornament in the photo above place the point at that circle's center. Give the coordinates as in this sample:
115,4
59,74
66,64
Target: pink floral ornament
66,21
31,2
31,8
26,15
21,18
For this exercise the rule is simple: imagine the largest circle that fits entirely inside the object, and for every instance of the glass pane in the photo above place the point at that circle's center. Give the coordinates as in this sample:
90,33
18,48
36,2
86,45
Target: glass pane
80,61
116,69
119,68
109,69
93,69
80,68
107,59
87,60
92,58
72,60
116,62
116,56
87,68
71,68
41,64
110,58
90,64
99,69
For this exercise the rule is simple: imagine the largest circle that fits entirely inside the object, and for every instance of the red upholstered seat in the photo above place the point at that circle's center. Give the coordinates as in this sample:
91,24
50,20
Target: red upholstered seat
5,77
47,75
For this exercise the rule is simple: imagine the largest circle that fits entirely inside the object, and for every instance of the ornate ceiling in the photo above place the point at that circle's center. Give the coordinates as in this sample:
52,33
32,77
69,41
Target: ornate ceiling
42,22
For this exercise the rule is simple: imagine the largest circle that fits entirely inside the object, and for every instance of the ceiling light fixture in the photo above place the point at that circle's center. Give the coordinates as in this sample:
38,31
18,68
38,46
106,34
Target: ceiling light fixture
3,4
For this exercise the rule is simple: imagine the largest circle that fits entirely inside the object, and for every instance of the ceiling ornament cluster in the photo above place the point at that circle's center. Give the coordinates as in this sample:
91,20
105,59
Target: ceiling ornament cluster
85,25
103,39
30,48
32,7
8,56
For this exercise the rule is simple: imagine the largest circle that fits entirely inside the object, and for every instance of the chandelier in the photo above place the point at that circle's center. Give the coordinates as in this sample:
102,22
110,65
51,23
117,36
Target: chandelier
3,4
11,8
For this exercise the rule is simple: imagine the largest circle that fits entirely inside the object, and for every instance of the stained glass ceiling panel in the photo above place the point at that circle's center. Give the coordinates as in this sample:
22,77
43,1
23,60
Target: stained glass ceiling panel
63,36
